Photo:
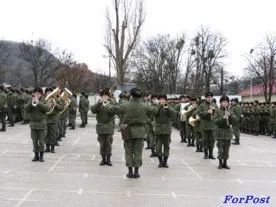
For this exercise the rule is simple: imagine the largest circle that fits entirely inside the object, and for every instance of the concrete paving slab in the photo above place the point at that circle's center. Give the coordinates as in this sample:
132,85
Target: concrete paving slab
72,176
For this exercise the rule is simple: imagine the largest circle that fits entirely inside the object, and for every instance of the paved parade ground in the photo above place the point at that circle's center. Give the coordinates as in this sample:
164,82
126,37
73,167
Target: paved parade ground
72,176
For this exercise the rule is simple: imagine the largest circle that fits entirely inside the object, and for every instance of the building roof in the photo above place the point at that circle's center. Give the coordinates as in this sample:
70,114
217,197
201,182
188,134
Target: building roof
256,90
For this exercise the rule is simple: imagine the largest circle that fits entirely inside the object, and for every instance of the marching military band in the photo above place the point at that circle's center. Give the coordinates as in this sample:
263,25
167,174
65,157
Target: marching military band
143,117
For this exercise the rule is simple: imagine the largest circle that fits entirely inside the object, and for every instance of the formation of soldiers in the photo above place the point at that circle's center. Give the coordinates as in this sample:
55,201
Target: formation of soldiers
143,117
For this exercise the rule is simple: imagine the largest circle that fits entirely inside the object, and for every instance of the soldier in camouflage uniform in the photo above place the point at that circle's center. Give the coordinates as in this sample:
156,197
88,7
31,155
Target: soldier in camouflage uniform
105,125
13,106
197,130
255,112
23,100
182,124
134,113
52,123
82,109
163,130
273,119
73,111
267,119
189,129
38,123
150,126
223,120
206,112
86,109
3,108
237,110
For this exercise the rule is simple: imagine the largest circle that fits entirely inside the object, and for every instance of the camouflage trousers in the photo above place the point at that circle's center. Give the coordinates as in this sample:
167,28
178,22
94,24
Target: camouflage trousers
72,119
182,130
38,137
150,136
198,137
3,119
223,148
82,116
51,134
105,141
236,132
163,141
133,152
208,140
189,131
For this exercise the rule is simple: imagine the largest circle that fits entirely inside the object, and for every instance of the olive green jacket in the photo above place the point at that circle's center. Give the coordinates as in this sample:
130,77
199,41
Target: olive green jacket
3,100
224,131
135,113
163,119
206,119
37,114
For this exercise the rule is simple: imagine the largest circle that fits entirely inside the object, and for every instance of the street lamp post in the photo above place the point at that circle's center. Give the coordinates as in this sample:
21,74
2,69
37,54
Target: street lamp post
109,67
251,51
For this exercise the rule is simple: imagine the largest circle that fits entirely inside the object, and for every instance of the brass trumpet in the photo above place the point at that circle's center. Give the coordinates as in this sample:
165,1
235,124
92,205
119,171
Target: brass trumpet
35,102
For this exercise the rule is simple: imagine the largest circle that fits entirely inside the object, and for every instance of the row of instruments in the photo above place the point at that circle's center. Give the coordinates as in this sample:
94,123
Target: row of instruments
53,96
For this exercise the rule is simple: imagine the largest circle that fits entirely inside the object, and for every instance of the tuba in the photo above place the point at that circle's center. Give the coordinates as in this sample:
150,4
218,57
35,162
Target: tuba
193,121
51,99
183,112
65,96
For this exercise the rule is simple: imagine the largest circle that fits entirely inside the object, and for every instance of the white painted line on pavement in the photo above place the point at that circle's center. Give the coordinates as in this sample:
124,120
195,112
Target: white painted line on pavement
52,168
75,142
152,160
173,194
8,171
188,166
128,194
163,178
93,157
85,175
270,164
24,198
240,181
5,152
80,191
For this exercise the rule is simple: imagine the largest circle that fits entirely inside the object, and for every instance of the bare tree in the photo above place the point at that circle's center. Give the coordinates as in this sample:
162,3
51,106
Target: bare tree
156,63
209,52
4,55
123,35
262,64
41,62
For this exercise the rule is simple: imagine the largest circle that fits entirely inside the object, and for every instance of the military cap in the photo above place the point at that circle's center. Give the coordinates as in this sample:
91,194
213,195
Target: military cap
48,90
188,97
136,92
153,96
38,89
120,95
104,92
1,88
256,101
209,94
193,99
224,98
182,96
162,96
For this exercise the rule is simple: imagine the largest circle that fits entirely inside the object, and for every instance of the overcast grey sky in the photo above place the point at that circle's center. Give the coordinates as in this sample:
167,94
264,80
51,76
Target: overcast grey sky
79,25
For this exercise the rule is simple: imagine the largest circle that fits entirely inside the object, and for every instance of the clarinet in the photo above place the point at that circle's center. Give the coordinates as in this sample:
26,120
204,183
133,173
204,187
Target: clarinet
226,113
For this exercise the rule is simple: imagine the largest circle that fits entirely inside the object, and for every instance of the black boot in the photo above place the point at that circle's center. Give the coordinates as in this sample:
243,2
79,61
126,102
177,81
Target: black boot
160,162
57,144
82,125
189,142
108,161
211,156
47,148
148,147
236,142
136,173
182,139
41,157
200,148
130,173
273,136
165,162
185,139
197,148
193,142
103,162
205,154
224,165
3,129
72,128
52,148
59,138
153,153
220,164
36,157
